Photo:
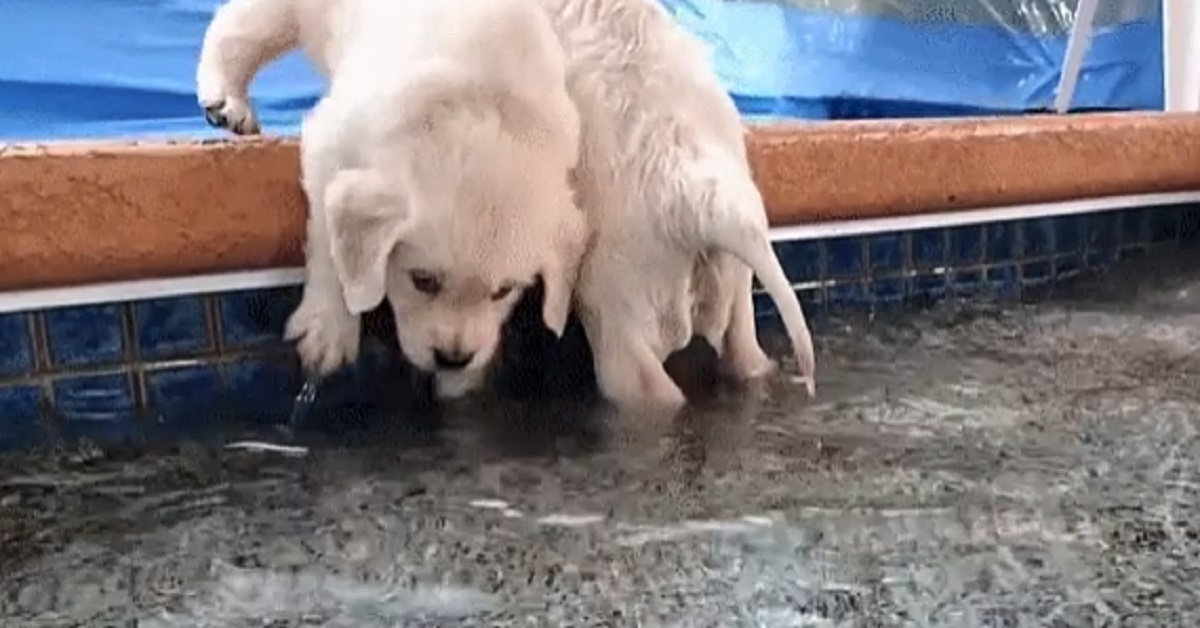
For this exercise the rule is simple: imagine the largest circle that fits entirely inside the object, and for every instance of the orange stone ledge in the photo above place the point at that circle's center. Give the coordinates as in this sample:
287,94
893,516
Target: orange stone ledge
73,214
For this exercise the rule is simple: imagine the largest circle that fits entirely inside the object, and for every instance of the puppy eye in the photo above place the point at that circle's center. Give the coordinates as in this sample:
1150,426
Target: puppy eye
504,291
425,282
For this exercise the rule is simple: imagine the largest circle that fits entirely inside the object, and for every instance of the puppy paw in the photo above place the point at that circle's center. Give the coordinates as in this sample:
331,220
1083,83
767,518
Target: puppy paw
232,113
224,107
327,338
742,364
647,388
806,359
666,398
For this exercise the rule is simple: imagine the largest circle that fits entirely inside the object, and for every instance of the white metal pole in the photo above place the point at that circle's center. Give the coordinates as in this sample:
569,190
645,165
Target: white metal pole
1077,46
1181,55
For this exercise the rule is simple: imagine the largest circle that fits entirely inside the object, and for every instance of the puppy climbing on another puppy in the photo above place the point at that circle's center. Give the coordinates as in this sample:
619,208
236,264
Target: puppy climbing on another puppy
436,168
678,225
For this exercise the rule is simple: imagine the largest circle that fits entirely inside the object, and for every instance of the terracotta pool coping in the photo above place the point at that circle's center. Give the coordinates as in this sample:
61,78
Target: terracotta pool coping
80,213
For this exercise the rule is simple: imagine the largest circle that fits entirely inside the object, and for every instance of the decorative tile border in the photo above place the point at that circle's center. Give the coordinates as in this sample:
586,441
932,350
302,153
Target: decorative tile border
1008,258
107,371
95,371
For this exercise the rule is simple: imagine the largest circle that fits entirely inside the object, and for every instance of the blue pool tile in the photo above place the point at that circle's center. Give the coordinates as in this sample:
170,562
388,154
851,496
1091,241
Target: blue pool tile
1189,224
88,335
844,257
966,246
262,389
16,346
19,404
256,317
888,291
801,260
171,327
97,407
1004,280
1036,273
886,254
1100,230
1067,266
1001,238
1099,259
1100,238
1068,235
183,394
764,307
812,299
928,248
20,416
1037,238
1164,224
927,286
1133,228
847,294
967,282
1132,252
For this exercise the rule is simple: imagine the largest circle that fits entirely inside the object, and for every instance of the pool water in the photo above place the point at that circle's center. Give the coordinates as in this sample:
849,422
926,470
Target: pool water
974,464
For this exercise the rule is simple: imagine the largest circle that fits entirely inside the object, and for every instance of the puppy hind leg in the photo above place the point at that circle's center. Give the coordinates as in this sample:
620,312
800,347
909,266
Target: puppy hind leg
730,215
743,357
710,309
630,376
244,36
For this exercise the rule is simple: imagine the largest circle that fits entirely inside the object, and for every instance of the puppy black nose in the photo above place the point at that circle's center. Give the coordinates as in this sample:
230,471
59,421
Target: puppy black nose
451,360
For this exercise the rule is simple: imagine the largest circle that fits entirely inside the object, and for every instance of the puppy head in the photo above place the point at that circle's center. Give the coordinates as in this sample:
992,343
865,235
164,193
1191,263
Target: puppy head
451,226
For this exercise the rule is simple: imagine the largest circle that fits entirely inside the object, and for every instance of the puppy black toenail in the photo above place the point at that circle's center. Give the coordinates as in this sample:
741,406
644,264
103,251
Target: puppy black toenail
213,115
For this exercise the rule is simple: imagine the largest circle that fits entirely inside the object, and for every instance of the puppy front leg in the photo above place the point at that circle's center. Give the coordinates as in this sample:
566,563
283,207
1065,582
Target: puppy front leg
327,335
244,36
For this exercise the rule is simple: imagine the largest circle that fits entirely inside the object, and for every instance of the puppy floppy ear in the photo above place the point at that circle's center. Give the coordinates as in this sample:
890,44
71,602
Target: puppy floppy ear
560,271
366,222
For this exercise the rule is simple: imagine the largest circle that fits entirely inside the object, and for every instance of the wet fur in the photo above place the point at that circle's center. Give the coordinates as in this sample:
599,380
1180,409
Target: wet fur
674,213
443,145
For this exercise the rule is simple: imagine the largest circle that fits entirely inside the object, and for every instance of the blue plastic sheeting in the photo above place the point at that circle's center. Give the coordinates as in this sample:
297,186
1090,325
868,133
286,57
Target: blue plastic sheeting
125,68
782,61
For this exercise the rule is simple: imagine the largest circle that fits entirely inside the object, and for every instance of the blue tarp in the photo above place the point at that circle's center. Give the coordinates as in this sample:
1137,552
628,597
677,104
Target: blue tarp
125,68
782,61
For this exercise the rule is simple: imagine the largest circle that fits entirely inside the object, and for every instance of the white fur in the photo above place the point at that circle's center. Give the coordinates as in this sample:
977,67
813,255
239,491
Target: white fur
443,148
673,209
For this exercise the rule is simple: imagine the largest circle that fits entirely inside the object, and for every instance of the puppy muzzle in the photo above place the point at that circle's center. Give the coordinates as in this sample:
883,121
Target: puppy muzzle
453,360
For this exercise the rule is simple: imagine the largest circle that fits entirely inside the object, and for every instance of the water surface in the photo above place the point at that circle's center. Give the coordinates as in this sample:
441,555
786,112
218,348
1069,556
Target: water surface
970,465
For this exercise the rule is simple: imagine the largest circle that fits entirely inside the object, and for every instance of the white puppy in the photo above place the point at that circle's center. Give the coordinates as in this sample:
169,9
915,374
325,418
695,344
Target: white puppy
673,208
436,167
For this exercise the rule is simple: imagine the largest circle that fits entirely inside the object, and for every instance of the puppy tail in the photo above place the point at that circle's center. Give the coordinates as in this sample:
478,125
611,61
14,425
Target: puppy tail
734,220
